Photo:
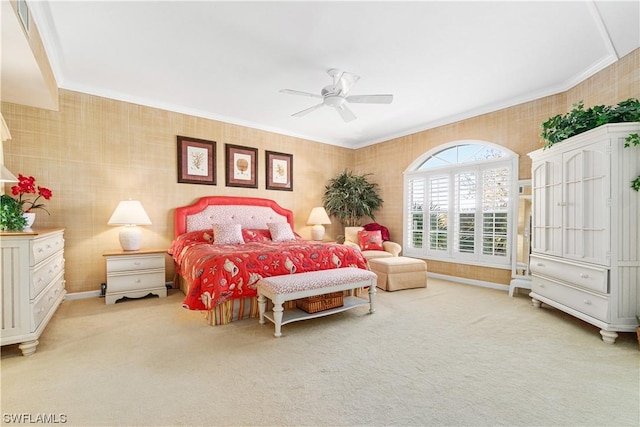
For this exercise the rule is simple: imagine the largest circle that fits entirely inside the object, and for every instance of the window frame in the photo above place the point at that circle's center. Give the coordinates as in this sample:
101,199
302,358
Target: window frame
508,160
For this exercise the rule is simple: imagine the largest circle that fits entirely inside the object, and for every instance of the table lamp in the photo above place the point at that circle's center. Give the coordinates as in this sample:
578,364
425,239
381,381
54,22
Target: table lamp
317,218
130,213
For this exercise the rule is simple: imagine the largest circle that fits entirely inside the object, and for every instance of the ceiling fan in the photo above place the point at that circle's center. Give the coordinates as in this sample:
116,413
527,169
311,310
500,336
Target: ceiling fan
335,95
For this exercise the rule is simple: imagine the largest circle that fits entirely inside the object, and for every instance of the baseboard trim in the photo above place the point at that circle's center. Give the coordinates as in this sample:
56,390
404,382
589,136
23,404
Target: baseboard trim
472,282
96,294
82,295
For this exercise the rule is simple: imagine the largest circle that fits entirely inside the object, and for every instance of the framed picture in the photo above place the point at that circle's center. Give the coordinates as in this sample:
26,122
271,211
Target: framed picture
241,166
196,161
279,171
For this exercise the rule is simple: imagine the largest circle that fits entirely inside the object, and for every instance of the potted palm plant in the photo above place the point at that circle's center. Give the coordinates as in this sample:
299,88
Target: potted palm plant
350,197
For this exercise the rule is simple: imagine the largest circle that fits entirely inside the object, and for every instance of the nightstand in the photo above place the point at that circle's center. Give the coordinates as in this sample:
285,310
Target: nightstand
135,274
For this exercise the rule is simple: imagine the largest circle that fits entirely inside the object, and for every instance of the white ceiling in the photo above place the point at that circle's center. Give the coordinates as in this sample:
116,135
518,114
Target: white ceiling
442,61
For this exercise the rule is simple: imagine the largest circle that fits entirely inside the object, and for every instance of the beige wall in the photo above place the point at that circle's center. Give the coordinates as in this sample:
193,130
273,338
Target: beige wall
517,128
95,152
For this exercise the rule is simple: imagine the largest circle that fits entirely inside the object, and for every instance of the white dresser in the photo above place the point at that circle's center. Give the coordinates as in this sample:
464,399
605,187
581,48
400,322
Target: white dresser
135,274
586,228
33,284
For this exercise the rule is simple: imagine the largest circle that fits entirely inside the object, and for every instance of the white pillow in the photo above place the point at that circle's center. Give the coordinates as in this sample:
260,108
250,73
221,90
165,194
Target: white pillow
280,231
227,234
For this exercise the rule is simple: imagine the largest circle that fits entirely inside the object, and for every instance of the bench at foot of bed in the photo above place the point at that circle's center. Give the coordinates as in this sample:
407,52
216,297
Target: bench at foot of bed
280,289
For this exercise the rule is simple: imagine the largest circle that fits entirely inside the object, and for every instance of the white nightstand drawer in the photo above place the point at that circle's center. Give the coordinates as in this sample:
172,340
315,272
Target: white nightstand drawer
45,273
135,263
587,277
135,281
45,247
586,302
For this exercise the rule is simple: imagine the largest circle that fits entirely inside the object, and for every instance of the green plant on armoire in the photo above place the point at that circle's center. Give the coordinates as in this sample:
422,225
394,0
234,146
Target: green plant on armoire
579,120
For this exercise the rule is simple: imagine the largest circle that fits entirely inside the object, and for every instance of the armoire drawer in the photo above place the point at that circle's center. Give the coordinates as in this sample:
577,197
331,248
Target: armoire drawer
43,248
586,302
587,277
133,282
137,263
45,273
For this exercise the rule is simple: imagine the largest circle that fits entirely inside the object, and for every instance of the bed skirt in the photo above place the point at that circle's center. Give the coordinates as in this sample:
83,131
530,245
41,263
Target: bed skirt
231,310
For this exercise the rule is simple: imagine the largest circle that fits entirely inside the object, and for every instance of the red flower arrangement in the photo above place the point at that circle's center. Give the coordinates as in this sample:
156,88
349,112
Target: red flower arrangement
26,185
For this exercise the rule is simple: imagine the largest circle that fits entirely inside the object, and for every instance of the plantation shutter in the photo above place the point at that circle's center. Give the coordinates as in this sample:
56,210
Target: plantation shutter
416,201
438,213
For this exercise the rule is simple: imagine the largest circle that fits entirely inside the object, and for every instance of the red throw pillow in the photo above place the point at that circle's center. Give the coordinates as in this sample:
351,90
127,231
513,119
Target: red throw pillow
255,235
370,240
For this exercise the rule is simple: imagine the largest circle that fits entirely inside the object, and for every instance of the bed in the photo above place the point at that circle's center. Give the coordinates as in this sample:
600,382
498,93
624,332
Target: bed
219,274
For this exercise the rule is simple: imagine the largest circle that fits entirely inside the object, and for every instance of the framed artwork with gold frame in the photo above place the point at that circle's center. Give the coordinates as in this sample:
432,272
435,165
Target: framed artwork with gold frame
196,161
279,171
241,166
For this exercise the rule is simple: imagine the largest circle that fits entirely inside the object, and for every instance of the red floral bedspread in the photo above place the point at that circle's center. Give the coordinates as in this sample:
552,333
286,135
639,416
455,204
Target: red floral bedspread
217,273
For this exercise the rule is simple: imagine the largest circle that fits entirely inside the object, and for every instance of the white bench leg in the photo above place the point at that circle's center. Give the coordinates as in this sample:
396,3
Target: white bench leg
372,293
262,306
277,318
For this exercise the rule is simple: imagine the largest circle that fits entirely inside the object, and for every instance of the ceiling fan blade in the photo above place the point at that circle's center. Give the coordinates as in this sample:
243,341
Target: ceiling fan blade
370,99
346,114
308,110
298,92
345,82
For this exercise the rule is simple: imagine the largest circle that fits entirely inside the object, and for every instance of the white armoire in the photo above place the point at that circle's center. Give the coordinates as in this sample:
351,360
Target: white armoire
585,255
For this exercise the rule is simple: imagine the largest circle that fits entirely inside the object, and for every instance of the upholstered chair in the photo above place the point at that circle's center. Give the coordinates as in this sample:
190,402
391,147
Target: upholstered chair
351,238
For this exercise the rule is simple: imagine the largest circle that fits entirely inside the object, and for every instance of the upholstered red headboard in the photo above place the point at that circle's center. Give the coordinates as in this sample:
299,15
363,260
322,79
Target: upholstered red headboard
251,212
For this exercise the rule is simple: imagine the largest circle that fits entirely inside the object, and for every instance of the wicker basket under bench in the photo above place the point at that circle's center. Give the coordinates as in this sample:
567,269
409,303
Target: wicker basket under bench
280,289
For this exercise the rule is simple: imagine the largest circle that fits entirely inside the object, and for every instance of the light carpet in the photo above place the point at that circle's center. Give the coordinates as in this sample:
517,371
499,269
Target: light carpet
450,354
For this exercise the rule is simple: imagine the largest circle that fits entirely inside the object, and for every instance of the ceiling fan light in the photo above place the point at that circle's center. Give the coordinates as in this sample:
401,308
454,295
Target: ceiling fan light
334,100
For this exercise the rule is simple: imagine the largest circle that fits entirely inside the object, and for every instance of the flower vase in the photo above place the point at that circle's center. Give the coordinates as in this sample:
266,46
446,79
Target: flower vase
30,217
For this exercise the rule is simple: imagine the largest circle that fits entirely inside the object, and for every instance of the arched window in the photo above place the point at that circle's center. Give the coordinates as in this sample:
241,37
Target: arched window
458,204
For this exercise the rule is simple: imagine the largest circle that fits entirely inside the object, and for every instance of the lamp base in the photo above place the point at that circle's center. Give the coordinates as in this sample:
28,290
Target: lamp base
130,238
317,232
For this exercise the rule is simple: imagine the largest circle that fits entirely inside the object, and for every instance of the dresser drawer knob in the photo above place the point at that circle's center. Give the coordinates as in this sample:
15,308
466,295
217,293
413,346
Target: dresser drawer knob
587,302
137,263
539,264
584,275
138,280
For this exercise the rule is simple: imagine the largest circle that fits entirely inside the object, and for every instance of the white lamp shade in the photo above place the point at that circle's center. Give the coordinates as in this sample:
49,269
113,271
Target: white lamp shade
318,217
130,213
7,176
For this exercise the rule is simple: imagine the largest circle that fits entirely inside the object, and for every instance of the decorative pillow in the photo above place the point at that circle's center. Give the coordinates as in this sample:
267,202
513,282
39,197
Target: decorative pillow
227,234
370,240
256,235
281,231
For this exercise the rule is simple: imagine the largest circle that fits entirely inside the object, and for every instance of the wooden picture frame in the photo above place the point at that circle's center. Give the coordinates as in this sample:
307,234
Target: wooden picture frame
196,161
279,170
241,166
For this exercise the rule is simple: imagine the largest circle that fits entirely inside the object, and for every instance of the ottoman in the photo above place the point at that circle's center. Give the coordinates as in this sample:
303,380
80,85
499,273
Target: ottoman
396,273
